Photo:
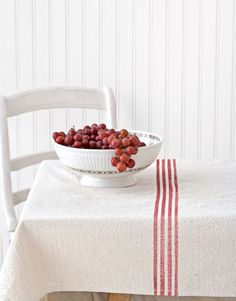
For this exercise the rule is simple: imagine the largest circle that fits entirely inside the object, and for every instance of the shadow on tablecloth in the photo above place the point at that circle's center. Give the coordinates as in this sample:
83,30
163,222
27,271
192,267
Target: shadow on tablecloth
84,296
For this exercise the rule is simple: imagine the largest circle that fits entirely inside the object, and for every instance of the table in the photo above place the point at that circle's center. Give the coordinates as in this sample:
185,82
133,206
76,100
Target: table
173,234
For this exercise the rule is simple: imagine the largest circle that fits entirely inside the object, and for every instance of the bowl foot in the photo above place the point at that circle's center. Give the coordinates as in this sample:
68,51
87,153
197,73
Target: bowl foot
123,181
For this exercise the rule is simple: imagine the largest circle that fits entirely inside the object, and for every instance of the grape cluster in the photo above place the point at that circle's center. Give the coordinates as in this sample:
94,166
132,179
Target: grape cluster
99,137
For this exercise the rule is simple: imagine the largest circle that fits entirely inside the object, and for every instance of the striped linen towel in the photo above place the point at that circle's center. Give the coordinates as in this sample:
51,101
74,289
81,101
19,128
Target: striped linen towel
172,234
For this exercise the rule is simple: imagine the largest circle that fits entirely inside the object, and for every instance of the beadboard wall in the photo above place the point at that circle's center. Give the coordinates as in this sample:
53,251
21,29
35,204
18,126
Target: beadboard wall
171,64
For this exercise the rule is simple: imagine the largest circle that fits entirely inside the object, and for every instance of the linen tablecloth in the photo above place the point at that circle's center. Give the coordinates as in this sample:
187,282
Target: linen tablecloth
174,233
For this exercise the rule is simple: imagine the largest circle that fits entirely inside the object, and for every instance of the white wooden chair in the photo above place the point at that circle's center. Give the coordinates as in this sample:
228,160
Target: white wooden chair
35,100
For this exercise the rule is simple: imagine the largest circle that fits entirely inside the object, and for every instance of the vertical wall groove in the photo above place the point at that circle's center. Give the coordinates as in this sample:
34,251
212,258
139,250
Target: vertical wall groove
183,88
134,64
217,55
2,252
50,50
200,58
67,60
166,123
100,56
67,31
17,45
150,65
50,61
83,19
17,83
34,73
233,88
117,73
34,46
100,32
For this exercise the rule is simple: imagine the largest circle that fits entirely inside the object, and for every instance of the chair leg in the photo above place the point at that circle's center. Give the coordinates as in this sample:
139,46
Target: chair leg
118,297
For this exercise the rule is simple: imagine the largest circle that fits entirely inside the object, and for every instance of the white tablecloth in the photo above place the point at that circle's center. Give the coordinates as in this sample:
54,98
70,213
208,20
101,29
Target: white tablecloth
174,233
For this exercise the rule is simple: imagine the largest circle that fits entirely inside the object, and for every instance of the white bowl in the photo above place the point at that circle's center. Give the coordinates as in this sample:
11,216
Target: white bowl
95,165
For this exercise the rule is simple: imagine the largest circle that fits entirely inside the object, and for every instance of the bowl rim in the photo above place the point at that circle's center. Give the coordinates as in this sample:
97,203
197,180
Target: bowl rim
80,150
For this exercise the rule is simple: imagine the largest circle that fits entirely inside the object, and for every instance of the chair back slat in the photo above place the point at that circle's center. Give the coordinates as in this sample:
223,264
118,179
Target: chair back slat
35,100
25,161
51,98
20,196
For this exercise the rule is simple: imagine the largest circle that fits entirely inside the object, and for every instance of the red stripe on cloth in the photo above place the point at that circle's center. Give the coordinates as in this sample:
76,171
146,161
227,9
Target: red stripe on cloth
155,226
176,229
167,171
162,262
170,230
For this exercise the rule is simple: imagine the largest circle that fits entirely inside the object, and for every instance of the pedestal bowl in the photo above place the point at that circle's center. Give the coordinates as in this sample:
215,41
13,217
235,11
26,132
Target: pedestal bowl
94,165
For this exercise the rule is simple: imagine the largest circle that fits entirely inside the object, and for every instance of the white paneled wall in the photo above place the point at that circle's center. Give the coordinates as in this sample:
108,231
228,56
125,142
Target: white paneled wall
171,63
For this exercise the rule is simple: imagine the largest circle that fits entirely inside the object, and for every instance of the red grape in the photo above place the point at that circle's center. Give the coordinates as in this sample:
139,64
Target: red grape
92,144
87,131
62,134
92,137
121,166
143,144
72,132
114,161
77,137
55,135
105,146
130,150
121,137
94,130
102,134
77,144
68,140
86,137
85,143
124,132
60,140
86,127
111,137
112,131
100,131
134,140
109,132
131,163
80,131
115,143
102,126
124,158
98,138
118,152
135,150
99,144
94,125
105,141
125,142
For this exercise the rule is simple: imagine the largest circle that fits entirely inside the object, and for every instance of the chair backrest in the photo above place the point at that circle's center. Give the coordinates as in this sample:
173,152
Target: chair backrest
35,100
